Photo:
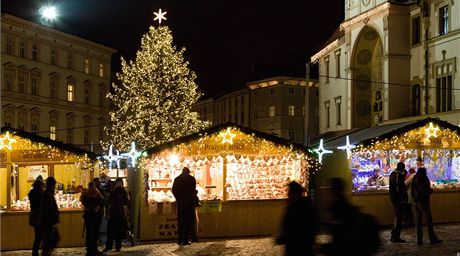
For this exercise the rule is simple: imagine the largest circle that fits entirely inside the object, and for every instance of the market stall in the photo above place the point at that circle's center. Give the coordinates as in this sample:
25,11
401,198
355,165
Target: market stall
241,180
24,157
374,153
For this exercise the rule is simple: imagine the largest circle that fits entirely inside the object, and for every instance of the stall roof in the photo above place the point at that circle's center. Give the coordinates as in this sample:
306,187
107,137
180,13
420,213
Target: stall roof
367,135
218,128
57,144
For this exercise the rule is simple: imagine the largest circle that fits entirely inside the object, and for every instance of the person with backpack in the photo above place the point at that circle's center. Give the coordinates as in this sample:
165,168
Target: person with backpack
421,191
398,198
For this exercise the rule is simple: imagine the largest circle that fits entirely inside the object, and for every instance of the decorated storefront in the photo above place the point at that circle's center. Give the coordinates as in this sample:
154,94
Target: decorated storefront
366,158
241,179
23,158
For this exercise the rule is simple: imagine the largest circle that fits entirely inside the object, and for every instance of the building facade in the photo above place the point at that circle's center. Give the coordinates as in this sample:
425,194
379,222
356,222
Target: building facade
389,60
54,84
274,105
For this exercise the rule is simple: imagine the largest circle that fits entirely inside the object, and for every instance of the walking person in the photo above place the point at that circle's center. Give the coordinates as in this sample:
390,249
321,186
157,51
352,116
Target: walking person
421,191
299,223
92,201
49,217
183,189
35,196
118,213
398,197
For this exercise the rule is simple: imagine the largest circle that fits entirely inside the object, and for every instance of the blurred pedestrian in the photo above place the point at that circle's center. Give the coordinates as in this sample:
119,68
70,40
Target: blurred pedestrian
118,216
299,223
398,197
183,189
196,229
49,217
92,202
35,196
421,191
408,213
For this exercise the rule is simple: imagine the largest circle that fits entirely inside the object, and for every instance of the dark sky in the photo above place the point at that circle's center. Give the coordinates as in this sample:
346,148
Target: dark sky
228,42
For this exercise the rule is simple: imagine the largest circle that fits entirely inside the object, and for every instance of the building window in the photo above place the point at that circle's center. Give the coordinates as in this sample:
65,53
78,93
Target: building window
9,79
326,69
338,112
271,111
69,60
87,94
21,82
34,51
53,132
444,88
69,135
337,64
291,90
22,48
70,91
272,91
53,87
87,68
9,46
327,107
86,136
416,100
101,70
33,85
291,110
53,56
444,20
33,128
291,135
416,30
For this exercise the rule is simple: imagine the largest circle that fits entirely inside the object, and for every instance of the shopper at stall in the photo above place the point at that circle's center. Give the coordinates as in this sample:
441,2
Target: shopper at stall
183,189
118,216
299,223
398,197
376,179
49,217
92,201
35,196
408,214
421,191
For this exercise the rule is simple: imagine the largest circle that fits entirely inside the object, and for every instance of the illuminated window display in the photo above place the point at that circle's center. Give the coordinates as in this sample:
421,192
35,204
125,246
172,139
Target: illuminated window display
228,164
436,148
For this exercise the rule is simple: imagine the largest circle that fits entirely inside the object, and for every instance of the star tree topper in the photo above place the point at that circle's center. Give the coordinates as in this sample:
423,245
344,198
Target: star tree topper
348,147
160,16
321,151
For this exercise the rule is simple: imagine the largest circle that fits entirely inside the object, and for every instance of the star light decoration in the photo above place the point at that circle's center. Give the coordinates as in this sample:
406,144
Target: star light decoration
431,131
227,136
160,16
321,151
133,154
6,141
113,158
348,147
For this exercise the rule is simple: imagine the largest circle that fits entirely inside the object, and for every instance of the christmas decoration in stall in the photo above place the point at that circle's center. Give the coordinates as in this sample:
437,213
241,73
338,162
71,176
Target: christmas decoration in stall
154,94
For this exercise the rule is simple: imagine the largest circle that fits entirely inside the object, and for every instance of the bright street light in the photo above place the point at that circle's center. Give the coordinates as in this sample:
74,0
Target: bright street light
49,14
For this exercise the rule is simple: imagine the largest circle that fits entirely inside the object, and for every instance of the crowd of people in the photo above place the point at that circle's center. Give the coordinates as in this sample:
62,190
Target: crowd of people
112,202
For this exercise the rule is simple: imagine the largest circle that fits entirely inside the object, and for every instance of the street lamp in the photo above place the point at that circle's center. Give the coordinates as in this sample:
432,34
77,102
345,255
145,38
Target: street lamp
48,14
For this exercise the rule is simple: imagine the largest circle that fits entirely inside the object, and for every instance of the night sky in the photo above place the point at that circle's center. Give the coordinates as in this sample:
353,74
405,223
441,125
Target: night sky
228,42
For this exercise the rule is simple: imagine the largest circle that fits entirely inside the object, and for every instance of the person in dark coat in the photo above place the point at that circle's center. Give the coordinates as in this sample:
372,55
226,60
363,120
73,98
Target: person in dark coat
421,191
35,196
49,217
118,212
183,189
299,223
399,198
92,202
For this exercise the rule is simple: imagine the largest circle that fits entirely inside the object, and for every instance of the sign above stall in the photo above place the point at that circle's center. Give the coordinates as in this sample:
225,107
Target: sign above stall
35,156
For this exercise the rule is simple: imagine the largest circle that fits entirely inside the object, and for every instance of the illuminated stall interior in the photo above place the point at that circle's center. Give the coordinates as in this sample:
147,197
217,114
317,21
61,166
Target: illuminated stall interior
229,163
25,156
431,143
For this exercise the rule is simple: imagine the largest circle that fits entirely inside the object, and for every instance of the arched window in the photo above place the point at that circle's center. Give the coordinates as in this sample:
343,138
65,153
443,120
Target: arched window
416,100
9,75
35,81
54,85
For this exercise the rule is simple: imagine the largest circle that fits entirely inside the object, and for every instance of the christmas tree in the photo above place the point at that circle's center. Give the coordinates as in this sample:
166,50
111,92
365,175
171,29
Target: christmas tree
154,95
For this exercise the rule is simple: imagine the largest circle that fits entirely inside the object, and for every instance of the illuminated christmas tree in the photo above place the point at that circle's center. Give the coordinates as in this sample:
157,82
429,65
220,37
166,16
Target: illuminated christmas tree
154,95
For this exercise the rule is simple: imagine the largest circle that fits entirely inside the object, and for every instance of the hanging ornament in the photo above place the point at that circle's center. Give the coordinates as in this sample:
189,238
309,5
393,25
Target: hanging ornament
348,147
320,151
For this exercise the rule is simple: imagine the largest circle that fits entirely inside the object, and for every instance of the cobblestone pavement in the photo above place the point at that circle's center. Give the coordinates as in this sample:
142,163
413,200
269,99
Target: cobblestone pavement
265,246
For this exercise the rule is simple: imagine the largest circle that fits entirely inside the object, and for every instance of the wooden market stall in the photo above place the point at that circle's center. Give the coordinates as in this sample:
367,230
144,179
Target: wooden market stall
432,143
241,180
25,156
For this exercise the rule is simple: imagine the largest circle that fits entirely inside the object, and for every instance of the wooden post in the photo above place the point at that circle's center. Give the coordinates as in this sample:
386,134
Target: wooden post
224,177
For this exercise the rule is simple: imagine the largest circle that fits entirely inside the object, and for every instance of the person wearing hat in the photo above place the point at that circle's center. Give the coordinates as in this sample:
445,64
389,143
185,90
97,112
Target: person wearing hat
35,196
398,198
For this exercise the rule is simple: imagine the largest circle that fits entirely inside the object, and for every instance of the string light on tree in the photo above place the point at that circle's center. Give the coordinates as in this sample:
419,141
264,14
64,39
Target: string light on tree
160,16
348,147
321,151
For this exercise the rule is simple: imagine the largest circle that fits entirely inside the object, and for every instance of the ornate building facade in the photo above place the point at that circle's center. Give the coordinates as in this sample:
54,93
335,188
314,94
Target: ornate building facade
54,84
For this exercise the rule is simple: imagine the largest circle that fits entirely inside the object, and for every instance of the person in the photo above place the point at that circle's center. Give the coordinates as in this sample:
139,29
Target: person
195,230
376,179
183,189
92,202
117,216
408,214
35,196
421,191
398,197
49,217
299,223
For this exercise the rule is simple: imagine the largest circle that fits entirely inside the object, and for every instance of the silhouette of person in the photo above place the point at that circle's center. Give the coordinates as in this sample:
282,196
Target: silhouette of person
118,212
49,217
35,196
92,201
399,198
299,223
183,189
421,191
